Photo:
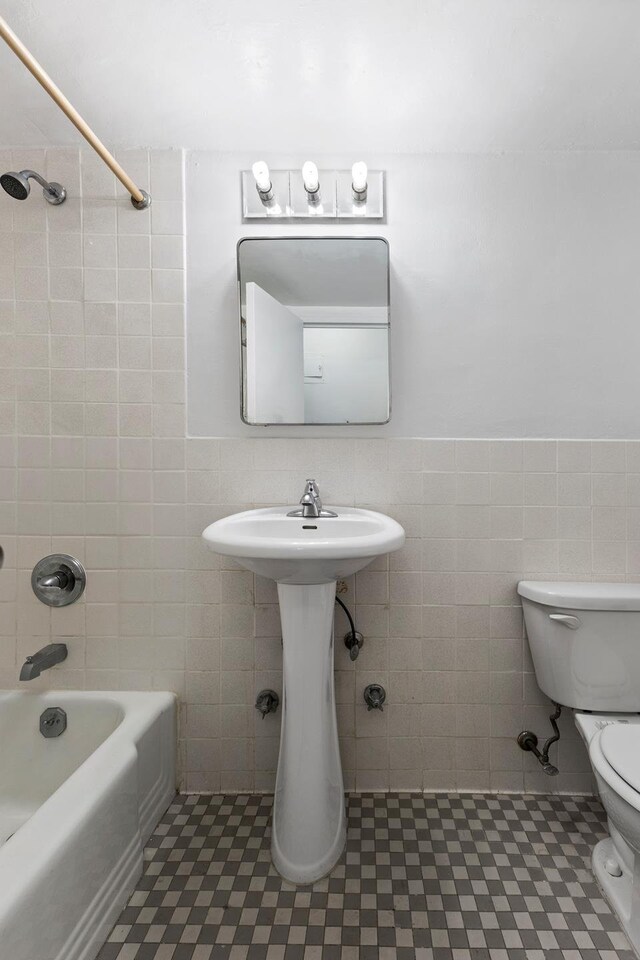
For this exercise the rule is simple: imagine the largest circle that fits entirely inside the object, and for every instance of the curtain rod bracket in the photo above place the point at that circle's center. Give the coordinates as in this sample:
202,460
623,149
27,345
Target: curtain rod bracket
141,204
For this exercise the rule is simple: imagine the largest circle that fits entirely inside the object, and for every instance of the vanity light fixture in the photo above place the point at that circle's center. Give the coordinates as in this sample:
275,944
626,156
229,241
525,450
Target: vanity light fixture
359,181
264,186
309,193
311,181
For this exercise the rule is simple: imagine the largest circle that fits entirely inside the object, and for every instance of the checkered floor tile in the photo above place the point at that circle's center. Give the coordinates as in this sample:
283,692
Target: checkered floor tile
437,877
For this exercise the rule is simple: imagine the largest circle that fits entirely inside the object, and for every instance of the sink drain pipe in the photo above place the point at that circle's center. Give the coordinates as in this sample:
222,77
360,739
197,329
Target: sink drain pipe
527,740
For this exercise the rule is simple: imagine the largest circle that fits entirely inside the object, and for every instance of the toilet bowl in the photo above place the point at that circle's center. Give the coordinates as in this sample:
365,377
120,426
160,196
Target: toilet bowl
585,645
614,752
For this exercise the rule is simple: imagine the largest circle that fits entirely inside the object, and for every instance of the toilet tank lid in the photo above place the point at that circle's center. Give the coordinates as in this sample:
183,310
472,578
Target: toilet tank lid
582,596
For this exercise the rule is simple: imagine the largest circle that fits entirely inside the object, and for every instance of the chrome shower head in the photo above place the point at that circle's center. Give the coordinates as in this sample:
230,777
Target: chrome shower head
17,186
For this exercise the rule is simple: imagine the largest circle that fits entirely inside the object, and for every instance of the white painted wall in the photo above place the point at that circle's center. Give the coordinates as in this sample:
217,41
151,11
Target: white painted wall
514,291
296,75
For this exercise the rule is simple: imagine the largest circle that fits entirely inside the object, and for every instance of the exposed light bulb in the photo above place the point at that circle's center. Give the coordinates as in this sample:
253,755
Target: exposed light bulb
310,177
260,171
359,179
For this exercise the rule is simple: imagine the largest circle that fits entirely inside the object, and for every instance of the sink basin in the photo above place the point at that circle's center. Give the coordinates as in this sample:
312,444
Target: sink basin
300,550
306,557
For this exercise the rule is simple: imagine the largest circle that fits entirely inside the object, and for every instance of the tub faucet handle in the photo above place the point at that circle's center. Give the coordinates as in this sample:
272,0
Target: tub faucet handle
58,580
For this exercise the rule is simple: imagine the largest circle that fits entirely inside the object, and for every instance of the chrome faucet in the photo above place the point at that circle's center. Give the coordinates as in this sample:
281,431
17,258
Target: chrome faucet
42,660
311,503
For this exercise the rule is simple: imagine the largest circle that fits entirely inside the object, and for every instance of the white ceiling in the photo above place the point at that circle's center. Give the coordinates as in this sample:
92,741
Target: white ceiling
330,75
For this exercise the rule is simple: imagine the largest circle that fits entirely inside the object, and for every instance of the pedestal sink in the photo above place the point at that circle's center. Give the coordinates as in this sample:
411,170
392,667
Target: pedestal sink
306,556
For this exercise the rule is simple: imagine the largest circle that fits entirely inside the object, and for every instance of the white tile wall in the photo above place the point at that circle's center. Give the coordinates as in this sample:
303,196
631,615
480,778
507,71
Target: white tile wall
94,461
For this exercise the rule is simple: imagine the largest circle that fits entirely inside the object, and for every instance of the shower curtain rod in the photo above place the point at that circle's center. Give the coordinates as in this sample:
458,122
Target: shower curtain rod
139,198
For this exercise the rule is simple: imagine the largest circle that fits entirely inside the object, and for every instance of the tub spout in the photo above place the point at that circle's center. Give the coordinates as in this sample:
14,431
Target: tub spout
42,660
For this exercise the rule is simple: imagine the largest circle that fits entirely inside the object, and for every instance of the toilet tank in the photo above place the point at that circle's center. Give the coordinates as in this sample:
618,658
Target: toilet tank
585,643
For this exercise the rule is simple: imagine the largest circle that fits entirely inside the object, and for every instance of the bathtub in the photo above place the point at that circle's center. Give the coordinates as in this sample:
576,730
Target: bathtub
75,812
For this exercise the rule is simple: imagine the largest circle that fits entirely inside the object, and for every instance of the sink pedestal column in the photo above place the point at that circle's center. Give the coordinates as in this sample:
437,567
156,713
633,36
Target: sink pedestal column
309,820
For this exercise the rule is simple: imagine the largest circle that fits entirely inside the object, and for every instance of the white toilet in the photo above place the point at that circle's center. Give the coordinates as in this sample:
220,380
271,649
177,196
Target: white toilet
585,645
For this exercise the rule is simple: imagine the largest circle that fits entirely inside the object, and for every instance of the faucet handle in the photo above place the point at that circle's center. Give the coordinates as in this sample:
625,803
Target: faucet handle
58,579
311,502
55,581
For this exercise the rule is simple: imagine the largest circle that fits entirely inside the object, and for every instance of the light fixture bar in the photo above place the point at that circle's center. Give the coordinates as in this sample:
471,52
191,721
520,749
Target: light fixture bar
310,194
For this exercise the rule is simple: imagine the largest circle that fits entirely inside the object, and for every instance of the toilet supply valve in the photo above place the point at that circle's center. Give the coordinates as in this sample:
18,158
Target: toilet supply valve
267,701
374,696
527,740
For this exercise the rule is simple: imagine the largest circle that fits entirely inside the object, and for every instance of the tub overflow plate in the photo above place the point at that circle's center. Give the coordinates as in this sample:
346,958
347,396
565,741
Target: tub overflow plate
53,722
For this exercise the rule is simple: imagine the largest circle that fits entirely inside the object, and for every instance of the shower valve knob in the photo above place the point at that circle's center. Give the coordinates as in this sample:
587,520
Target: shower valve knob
58,580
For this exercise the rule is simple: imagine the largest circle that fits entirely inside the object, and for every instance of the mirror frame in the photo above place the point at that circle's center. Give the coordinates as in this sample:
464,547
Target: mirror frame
241,339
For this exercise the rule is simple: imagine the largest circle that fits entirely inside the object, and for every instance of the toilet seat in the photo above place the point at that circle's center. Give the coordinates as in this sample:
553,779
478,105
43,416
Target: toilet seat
620,745
615,780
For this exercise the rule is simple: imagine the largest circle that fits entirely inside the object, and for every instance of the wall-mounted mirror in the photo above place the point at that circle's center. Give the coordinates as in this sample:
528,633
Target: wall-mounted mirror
314,320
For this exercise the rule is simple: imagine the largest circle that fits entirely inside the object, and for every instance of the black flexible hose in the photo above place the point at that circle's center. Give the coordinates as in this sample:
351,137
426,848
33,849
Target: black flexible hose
349,617
354,649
